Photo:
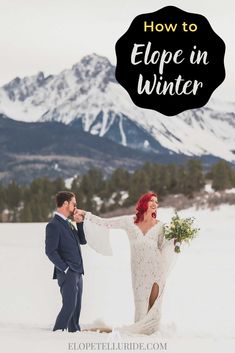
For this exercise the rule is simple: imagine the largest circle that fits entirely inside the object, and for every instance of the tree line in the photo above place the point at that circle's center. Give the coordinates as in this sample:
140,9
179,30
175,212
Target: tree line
36,202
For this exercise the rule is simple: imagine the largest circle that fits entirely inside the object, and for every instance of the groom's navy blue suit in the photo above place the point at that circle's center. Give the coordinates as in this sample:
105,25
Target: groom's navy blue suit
63,249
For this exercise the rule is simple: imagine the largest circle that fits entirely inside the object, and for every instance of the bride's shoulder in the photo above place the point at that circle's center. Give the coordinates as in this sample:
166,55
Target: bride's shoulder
132,218
128,218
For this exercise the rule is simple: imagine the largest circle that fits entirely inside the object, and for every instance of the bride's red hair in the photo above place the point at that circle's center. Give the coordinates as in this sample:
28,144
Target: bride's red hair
142,206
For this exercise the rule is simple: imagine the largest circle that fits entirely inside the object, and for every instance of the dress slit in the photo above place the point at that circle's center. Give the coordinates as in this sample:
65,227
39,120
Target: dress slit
150,301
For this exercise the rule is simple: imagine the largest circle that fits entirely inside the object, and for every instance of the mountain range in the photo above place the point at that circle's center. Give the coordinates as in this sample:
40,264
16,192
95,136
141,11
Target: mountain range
86,104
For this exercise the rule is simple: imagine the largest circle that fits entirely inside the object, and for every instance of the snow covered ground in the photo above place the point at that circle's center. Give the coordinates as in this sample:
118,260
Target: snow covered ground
198,309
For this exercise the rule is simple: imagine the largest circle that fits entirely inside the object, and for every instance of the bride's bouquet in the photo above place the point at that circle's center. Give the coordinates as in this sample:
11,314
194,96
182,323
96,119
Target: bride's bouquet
180,229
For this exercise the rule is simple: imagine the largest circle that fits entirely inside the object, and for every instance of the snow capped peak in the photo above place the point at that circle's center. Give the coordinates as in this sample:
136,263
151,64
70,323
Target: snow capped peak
93,63
94,66
89,96
221,106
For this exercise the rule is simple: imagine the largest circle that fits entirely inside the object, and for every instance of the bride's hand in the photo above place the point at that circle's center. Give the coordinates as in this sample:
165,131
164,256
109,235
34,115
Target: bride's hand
79,215
80,212
175,241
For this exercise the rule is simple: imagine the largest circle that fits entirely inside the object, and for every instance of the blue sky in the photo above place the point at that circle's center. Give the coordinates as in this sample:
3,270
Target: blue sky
52,35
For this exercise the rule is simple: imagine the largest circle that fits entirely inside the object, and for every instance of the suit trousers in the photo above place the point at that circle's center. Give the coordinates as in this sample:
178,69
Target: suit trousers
71,285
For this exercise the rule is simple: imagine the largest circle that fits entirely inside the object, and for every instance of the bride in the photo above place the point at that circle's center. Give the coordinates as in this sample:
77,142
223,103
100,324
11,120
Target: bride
151,257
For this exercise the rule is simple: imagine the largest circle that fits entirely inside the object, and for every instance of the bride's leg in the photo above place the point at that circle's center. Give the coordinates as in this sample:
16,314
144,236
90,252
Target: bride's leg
153,295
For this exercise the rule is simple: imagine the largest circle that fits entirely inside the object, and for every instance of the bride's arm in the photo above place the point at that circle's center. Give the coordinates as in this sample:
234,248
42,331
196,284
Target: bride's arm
168,255
162,241
115,222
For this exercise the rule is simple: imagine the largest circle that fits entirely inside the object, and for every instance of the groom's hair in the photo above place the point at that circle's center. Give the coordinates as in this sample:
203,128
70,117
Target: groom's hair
63,196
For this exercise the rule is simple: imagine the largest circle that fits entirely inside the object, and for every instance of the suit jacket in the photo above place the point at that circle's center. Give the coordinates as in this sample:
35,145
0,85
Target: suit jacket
63,245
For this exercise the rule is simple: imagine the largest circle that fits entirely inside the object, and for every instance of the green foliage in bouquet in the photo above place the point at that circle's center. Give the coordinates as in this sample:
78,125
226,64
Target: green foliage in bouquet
180,229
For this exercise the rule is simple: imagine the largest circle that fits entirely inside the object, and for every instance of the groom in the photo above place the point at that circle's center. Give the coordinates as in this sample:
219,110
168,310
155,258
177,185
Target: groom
63,249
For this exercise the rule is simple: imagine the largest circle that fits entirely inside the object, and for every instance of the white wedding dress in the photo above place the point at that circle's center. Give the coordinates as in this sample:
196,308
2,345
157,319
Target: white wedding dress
151,258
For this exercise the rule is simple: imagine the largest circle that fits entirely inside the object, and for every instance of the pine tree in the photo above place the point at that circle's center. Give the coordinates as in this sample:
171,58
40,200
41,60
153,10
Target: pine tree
138,186
172,172
120,180
194,177
26,214
222,176
153,175
13,198
2,198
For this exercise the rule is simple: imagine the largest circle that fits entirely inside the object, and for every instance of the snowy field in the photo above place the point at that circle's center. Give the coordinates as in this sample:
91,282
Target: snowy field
198,310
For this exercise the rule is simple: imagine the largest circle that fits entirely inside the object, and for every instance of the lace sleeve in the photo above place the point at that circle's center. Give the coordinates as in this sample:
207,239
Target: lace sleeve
109,223
168,255
161,238
97,231
162,241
